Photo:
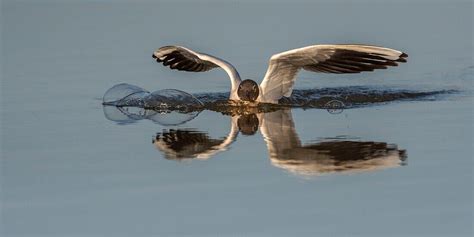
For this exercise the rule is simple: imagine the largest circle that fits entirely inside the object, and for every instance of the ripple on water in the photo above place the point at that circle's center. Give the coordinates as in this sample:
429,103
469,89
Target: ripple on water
162,105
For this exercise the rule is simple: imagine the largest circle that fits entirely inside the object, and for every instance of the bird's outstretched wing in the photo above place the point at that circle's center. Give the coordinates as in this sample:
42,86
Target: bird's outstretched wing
184,59
283,67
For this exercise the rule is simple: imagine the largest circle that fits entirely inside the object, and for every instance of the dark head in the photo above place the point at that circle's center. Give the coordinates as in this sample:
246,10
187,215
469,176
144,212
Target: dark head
248,90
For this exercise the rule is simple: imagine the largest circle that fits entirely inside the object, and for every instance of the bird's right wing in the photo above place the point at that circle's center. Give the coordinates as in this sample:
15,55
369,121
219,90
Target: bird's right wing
183,59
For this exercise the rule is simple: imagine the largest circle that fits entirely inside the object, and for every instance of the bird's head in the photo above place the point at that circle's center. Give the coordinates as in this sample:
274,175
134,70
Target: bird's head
248,90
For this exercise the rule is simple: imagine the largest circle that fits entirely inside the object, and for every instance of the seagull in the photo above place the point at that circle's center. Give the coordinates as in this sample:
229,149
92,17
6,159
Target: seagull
284,67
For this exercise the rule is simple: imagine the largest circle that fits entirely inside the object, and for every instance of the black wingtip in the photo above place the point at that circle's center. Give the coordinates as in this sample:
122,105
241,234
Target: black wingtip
402,60
391,63
154,56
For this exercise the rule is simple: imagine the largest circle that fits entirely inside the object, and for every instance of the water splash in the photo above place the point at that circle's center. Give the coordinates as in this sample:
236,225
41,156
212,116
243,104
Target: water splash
125,103
165,100
131,114
332,99
171,107
352,96
125,95
171,99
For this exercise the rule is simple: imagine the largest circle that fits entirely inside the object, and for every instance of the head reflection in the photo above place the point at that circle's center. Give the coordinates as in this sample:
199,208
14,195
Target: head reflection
248,124
286,151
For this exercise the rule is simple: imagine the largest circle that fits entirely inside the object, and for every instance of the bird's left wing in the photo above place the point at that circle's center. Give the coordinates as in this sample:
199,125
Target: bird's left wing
184,59
283,67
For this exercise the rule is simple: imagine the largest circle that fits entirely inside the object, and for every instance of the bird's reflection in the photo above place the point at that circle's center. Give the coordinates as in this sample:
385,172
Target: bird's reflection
339,156
182,144
325,156
286,151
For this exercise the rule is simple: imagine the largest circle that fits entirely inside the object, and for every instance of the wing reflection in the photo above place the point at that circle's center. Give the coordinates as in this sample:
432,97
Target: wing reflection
327,156
188,143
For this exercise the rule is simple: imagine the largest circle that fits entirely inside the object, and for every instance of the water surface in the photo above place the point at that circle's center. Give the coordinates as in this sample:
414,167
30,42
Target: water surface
68,170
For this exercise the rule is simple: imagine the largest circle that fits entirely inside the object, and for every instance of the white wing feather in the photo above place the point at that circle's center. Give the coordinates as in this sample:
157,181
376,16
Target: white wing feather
283,67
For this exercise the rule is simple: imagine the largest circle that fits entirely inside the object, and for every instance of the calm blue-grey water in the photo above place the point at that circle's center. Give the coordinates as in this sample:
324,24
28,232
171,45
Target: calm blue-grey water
67,170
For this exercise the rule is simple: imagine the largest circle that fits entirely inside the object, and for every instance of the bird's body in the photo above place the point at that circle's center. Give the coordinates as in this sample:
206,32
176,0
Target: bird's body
283,67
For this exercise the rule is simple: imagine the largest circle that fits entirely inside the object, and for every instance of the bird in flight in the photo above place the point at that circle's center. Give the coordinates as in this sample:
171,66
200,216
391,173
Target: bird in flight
284,67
